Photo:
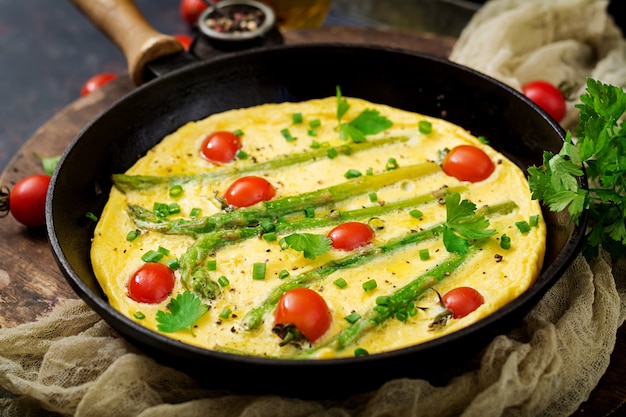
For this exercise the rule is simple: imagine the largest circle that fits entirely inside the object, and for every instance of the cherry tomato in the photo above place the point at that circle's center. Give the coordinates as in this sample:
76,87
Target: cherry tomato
184,40
468,163
190,10
462,300
351,235
151,283
96,82
546,96
305,309
27,200
221,146
250,190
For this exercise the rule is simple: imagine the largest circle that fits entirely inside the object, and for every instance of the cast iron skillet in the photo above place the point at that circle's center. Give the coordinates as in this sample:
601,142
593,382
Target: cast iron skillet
114,140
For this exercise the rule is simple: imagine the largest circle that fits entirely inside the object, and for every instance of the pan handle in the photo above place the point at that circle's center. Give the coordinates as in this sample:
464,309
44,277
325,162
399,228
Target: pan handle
122,22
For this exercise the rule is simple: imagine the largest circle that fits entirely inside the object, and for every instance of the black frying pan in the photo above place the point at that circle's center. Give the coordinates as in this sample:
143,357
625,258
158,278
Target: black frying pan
119,136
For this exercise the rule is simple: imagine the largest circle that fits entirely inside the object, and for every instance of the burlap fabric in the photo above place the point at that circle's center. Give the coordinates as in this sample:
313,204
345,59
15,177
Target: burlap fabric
73,364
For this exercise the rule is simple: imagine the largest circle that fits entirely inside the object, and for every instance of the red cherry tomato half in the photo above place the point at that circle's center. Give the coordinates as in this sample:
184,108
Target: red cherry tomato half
96,82
184,40
305,309
27,200
152,283
546,96
462,301
250,190
468,163
190,10
221,146
351,235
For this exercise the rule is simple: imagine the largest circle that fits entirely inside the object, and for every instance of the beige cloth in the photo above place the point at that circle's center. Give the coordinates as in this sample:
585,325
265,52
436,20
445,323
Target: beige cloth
73,364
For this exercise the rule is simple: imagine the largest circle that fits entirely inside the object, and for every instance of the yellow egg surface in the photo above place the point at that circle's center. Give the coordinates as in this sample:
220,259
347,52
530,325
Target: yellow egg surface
380,296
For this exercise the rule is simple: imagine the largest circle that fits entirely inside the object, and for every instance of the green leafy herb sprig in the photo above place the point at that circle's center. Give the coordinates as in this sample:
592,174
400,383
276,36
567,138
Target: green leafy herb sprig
185,310
463,224
600,151
368,122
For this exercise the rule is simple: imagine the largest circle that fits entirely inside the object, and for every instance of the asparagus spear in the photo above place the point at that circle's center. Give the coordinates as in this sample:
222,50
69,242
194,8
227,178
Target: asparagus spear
126,182
254,317
276,208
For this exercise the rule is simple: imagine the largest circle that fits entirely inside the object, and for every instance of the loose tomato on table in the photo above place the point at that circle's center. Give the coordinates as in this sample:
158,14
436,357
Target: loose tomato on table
190,10
249,190
152,283
461,301
221,146
306,310
184,40
547,96
468,163
26,201
97,81
350,235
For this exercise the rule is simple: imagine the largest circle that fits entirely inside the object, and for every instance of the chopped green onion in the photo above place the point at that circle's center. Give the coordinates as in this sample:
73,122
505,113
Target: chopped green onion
369,171
195,212
212,265
176,190
424,254
163,251
483,139
505,242
267,225
345,149
238,132
225,313
352,318
370,285
425,126
311,132
416,213
173,208
523,226
534,220
352,173
315,144
161,209
296,118
270,236
132,235
258,270
283,274
382,300
223,281
173,264
152,256
242,155
139,315
340,282
391,164
402,315
315,123
360,352
91,216
332,153
373,196
287,135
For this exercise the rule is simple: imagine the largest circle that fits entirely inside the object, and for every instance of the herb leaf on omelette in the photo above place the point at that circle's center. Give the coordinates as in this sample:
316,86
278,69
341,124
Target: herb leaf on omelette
311,245
462,224
185,310
368,122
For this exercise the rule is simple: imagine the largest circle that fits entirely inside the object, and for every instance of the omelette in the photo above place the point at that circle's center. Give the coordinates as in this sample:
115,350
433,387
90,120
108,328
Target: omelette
326,228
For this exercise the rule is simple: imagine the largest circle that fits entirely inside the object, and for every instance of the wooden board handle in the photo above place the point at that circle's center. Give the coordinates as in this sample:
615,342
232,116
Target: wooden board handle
122,22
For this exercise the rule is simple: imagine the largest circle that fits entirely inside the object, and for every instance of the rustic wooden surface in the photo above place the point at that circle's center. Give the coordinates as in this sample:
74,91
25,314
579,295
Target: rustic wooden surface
31,284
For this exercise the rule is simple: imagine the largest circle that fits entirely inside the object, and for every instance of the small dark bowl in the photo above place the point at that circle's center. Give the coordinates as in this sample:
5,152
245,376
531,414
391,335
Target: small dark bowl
113,141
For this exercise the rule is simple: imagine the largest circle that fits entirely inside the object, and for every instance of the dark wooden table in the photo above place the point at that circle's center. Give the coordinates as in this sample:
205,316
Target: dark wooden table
31,284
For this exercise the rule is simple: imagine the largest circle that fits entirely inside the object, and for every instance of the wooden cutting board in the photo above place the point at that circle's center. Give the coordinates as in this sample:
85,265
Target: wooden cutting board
31,284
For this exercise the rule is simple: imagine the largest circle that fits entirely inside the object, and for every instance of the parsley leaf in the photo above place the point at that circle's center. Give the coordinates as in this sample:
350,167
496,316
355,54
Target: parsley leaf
462,224
368,122
185,310
600,150
312,245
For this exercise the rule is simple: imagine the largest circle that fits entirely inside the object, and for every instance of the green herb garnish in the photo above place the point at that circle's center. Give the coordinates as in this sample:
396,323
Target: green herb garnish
185,310
368,122
462,224
311,245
